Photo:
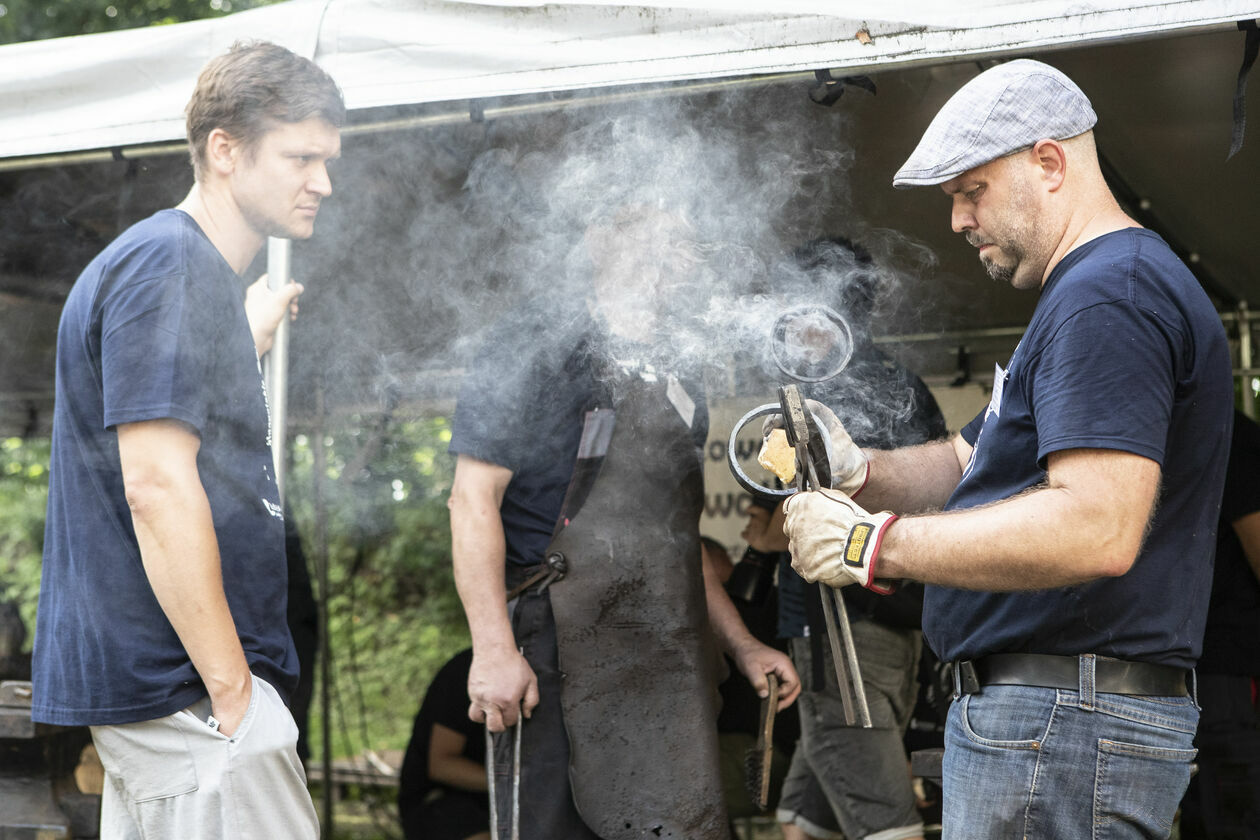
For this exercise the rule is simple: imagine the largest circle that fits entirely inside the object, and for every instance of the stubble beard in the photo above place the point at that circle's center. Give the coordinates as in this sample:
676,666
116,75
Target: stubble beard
267,226
1015,248
1000,273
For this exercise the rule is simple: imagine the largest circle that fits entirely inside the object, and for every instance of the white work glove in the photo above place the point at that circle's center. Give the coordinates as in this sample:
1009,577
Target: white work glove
849,466
833,540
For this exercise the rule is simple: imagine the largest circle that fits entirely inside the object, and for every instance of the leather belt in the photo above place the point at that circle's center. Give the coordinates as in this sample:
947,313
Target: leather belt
1111,676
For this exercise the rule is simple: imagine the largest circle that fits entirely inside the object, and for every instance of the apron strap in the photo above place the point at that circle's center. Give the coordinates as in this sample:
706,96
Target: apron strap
1250,50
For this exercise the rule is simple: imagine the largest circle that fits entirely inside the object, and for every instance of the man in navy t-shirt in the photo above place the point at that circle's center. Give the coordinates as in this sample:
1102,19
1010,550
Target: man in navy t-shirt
161,619
1069,574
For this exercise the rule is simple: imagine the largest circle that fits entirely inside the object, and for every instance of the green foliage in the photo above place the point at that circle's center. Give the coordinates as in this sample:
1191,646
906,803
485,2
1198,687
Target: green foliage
32,20
23,500
394,617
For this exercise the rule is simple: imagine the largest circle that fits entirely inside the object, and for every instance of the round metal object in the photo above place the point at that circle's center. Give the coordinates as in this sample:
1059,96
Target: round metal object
811,343
732,459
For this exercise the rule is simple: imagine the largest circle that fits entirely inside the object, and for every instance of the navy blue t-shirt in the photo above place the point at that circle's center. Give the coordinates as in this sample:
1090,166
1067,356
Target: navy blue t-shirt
1125,352
522,405
154,328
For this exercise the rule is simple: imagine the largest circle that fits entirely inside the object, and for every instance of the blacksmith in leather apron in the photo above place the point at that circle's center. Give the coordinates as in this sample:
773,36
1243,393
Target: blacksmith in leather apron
635,655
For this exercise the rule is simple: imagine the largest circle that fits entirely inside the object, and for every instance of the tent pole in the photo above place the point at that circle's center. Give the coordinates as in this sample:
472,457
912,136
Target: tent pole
276,365
318,467
1245,360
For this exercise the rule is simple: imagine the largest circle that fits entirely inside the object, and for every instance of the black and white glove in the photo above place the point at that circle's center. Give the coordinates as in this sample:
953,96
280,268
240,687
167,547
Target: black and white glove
833,540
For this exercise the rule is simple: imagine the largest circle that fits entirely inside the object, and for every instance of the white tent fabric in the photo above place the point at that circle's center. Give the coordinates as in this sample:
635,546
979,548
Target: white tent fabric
129,88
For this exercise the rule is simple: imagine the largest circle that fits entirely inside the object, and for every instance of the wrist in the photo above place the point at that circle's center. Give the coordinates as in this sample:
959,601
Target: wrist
752,577
860,552
752,554
877,569
229,689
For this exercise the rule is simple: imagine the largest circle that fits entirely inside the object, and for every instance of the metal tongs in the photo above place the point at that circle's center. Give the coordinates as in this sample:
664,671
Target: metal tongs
805,437
516,781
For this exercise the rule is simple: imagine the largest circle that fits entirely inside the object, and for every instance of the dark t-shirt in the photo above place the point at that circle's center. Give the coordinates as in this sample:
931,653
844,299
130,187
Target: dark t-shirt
445,703
522,406
1124,352
1231,642
154,328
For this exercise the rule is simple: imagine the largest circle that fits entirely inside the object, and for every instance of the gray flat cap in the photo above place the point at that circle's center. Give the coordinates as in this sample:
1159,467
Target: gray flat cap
1003,110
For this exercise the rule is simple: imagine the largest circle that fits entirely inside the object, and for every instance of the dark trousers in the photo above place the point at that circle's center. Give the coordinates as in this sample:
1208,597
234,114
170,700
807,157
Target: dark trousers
447,814
1223,800
546,800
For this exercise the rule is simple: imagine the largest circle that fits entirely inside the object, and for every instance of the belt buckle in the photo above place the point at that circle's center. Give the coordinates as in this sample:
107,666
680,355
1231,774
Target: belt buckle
965,679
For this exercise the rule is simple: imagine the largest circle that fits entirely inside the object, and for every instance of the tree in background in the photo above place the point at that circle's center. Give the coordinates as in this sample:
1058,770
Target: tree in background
34,20
393,615
23,499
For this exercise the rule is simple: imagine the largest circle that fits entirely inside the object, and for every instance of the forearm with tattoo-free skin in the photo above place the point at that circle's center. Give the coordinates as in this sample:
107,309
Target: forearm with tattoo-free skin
1247,528
499,679
914,479
753,658
448,764
180,553
1086,522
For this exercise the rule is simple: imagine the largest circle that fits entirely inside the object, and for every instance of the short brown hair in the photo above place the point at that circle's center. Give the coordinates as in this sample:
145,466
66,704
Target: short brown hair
250,88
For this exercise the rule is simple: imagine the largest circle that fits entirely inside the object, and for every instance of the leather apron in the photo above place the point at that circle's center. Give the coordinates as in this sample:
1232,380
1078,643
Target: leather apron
635,649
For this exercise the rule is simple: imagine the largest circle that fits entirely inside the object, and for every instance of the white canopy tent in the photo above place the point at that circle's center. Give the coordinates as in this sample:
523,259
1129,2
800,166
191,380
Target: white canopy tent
128,88
1161,74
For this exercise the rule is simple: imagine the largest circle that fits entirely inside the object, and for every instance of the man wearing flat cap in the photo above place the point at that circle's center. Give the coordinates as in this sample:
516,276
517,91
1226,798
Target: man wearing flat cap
1066,534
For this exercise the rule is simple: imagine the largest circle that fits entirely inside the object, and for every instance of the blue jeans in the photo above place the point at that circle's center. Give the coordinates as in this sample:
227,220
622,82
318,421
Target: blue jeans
1037,763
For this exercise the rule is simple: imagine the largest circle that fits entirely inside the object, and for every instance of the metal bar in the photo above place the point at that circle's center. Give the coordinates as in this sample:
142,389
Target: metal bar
494,803
276,364
952,336
850,655
318,470
455,117
838,660
1244,358
516,774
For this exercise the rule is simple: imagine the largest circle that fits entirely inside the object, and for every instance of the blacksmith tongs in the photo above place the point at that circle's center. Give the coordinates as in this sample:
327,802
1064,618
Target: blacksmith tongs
516,780
805,436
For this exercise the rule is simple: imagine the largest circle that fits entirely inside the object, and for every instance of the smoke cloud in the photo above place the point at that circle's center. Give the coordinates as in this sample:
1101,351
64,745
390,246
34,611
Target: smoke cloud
438,234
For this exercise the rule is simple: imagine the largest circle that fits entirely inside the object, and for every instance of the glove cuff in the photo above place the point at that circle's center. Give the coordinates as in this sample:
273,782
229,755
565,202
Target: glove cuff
861,550
859,480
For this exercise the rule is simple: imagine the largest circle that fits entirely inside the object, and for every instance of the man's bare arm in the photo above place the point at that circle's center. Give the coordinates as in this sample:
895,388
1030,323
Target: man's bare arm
447,763
1247,528
754,659
914,479
499,679
1087,522
180,553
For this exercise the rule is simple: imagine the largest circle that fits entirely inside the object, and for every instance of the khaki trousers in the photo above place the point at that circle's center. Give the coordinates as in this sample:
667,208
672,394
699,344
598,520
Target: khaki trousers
175,777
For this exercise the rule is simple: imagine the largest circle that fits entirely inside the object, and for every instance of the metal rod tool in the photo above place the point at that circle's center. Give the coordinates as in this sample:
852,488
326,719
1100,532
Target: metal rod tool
516,780
802,431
